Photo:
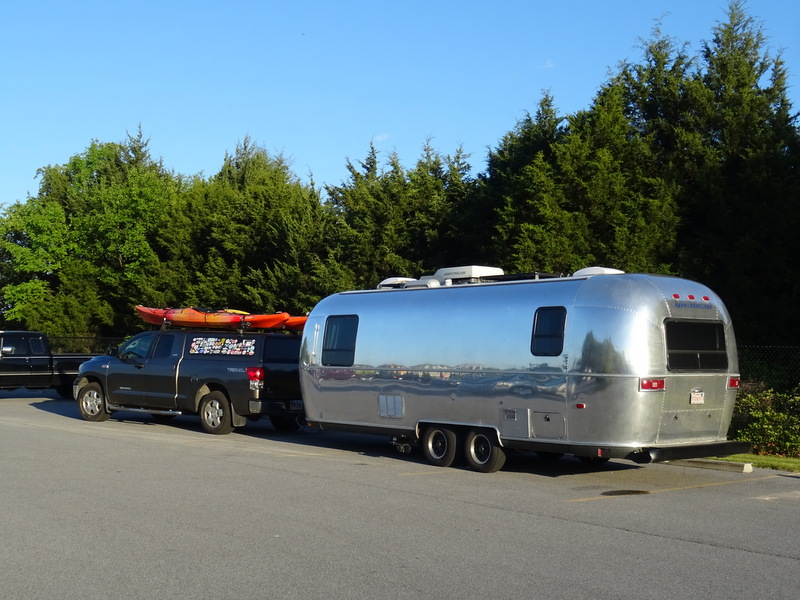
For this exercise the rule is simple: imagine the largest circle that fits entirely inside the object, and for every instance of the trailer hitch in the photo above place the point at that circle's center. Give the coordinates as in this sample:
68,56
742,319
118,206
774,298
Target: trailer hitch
403,444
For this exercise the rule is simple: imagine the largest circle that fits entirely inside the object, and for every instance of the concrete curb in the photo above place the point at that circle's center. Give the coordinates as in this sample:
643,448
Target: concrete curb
719,465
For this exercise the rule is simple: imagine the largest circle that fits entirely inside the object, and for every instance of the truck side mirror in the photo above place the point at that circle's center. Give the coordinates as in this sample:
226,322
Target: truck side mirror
8,350
112,350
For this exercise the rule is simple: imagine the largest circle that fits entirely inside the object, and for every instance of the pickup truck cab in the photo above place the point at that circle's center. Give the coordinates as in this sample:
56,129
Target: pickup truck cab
27,362
224,377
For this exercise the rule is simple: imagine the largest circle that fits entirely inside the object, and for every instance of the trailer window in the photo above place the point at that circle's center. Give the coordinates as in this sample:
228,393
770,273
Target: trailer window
339,343
548,331
696,346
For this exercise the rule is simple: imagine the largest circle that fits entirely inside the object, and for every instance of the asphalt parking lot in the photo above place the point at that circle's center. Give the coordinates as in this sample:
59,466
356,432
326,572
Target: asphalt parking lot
136,508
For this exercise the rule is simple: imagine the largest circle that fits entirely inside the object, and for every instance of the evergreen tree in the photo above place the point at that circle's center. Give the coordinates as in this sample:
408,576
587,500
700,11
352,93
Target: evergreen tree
80,253
255,233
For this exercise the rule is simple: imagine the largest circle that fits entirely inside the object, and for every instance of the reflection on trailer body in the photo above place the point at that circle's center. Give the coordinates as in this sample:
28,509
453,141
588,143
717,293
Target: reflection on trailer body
597,365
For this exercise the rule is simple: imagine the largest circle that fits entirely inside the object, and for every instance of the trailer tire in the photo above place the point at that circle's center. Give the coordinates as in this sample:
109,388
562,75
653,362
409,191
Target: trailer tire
92,403
482,452
439,445
215,413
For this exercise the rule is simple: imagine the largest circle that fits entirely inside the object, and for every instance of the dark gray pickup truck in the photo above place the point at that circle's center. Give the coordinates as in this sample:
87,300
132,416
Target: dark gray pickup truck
26,362
224,377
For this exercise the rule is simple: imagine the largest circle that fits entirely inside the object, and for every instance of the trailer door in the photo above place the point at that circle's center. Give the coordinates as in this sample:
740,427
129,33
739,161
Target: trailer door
535,402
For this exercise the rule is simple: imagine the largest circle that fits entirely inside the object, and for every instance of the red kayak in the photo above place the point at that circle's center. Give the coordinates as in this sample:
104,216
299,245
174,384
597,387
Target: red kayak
218,319
192,317
154,316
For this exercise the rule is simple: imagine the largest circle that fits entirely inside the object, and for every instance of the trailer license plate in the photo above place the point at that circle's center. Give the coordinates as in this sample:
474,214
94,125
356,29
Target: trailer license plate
698,398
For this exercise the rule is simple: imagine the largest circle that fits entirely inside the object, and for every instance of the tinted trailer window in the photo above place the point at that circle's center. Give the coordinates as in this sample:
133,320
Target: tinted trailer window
695,346
339,343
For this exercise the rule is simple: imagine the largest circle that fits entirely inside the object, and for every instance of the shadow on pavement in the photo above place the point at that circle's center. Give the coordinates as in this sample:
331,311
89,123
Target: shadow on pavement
376,446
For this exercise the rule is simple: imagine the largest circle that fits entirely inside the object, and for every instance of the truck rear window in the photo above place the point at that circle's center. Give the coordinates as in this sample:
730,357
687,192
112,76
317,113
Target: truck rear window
222,345
282,349
695,346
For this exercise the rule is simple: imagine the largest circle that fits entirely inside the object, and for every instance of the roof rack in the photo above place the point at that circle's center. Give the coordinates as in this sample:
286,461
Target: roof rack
475,274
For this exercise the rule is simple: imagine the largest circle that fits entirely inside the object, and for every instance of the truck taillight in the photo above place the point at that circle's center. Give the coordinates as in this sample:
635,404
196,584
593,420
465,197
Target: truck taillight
733,383
651,385
255,373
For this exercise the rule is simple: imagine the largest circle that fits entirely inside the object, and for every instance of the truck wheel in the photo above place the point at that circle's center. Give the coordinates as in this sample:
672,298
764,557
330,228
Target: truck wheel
215,413
92,404
439,446
482,453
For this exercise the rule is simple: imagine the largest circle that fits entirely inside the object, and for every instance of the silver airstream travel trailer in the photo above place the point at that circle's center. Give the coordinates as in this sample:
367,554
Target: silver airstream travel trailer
601,364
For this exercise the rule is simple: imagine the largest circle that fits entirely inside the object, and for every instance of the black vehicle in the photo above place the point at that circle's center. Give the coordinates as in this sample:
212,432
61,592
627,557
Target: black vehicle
26,362
224,377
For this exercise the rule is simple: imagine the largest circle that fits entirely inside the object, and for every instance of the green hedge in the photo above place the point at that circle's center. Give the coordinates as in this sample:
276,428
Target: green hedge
769,421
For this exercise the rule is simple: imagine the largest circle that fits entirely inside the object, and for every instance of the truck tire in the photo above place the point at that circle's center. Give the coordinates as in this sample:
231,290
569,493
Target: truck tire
92,403
439,445
215,413
482,452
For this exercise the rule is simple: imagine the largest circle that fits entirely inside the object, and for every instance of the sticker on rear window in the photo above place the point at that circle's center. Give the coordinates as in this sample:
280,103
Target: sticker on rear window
223,345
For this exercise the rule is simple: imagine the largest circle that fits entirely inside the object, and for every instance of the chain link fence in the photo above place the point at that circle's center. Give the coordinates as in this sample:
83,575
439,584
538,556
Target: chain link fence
769,367
92,345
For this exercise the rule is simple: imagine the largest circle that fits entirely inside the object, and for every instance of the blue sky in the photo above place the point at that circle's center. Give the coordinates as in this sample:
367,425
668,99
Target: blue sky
318,80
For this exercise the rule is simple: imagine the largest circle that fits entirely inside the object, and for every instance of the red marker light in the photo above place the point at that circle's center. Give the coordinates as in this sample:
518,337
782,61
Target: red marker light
651,385
733,383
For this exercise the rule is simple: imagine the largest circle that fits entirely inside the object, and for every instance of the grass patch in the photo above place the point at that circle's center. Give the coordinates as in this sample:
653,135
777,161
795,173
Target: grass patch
778,463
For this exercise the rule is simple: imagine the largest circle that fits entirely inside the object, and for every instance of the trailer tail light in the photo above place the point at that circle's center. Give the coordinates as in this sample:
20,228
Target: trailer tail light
651,385
733,383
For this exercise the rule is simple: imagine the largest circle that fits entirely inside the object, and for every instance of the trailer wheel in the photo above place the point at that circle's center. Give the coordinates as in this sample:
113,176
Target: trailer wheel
215,413
92,403
439,446
482,453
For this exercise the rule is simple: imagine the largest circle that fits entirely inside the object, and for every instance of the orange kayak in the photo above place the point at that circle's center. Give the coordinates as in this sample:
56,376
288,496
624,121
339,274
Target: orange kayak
267,321
295,322
196,317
